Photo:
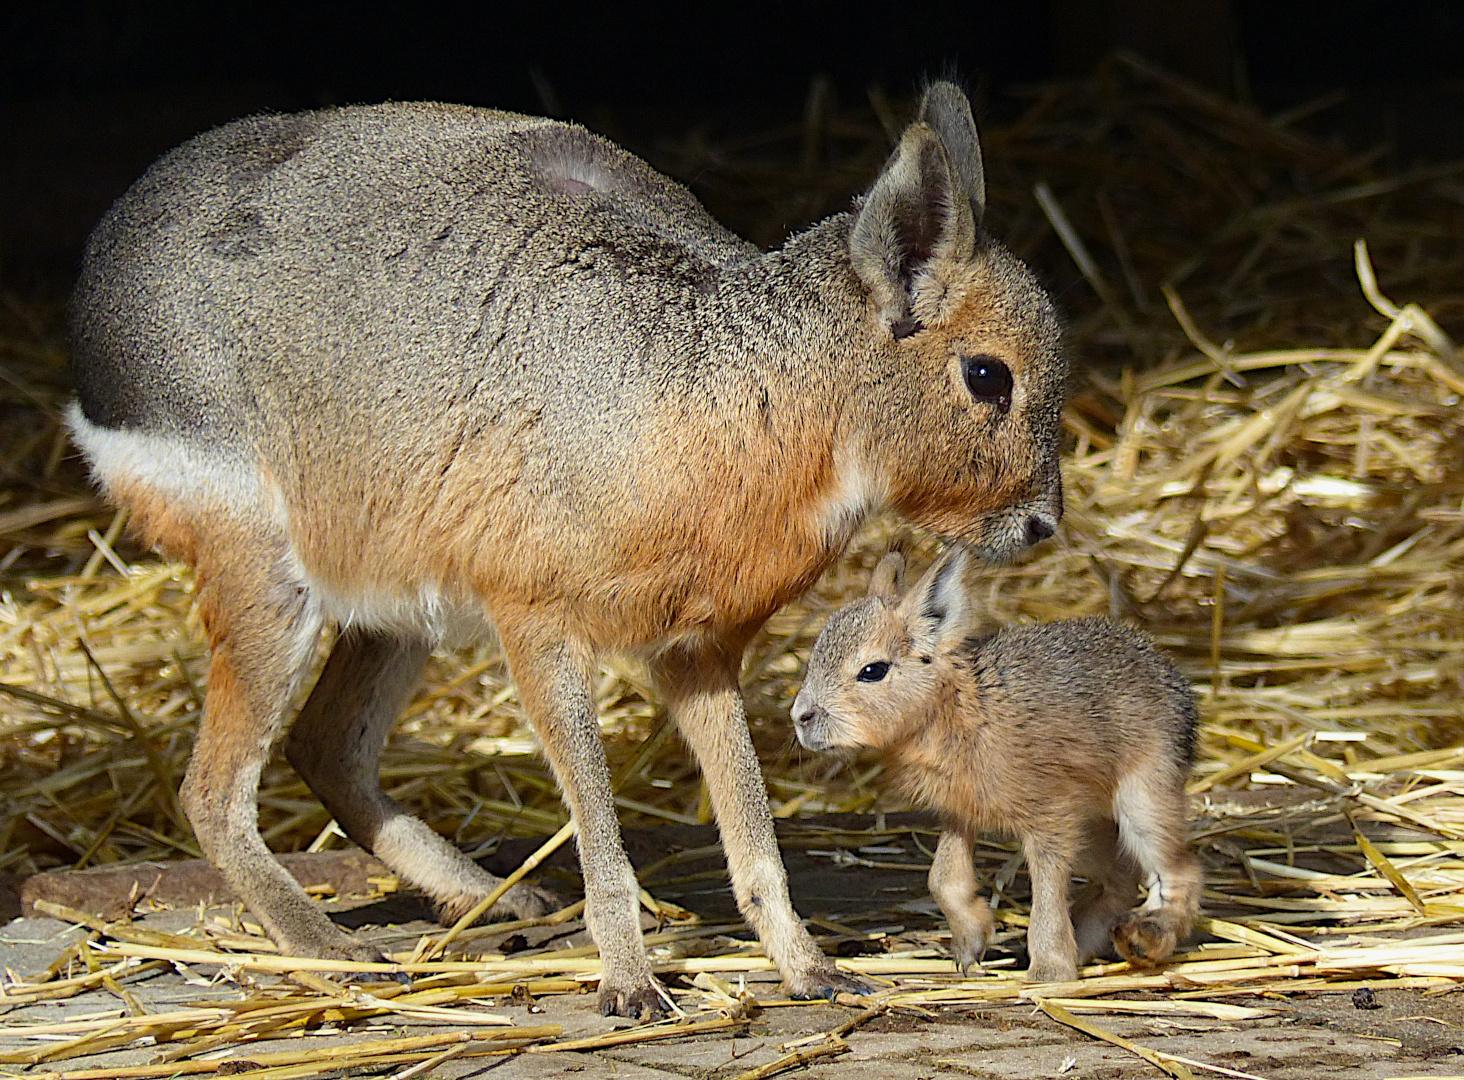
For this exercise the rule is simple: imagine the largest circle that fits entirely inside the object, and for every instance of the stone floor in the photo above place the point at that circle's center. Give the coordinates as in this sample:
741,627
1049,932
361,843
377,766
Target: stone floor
1309,1036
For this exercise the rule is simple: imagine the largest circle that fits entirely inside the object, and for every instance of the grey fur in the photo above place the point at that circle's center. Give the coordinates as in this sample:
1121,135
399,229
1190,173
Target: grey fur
948,111
1105,671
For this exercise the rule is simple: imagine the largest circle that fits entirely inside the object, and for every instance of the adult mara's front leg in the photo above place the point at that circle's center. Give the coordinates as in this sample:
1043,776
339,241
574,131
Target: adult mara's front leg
701,691
553,678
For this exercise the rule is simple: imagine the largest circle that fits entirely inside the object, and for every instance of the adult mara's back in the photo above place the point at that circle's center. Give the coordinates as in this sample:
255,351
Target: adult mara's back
417,369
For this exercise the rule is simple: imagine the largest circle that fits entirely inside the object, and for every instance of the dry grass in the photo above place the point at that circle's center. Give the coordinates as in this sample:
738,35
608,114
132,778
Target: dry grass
1264,471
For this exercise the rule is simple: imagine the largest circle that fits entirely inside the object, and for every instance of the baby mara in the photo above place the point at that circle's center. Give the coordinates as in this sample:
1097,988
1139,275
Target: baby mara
1073,737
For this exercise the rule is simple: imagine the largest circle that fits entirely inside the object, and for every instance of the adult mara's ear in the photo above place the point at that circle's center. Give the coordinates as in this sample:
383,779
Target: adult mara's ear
937,610
945,108
915,231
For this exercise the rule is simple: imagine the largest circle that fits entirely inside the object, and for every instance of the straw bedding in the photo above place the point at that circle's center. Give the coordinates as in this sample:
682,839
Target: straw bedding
1263,470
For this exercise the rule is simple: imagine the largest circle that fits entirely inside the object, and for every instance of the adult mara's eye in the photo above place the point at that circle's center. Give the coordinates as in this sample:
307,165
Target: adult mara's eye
988,379
873,672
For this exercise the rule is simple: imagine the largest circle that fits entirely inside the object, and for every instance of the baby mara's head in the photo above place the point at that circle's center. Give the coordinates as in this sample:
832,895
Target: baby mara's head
885,663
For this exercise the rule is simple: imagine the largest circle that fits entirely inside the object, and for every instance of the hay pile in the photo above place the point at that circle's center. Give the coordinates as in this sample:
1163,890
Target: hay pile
1266,470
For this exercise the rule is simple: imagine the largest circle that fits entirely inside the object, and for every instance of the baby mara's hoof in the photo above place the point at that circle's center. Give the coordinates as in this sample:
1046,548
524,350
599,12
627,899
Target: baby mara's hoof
1144,940
967,951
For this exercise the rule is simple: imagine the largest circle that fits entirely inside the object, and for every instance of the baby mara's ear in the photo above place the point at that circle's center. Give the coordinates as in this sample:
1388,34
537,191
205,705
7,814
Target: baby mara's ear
888,579
937,610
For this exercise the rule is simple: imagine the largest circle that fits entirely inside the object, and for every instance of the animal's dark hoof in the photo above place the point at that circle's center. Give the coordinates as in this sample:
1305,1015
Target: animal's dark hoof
524,901
641,1002
826,982
1144,941
967,952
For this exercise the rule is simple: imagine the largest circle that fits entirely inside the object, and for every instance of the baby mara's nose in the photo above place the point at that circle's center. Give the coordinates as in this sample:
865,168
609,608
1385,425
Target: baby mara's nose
811,733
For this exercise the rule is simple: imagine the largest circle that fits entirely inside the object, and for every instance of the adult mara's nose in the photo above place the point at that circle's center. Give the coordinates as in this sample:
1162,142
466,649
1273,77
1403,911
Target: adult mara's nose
1045,511
1039,528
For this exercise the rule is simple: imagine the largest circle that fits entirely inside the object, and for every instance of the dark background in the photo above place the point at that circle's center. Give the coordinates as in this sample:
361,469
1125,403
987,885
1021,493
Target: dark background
92,90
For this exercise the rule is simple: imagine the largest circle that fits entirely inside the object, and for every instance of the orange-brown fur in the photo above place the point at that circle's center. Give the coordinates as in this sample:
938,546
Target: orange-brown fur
1075,738
154,520
692,566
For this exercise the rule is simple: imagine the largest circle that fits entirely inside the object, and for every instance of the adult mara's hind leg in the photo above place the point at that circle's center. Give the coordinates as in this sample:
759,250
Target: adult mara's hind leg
262,626
335,745
701,691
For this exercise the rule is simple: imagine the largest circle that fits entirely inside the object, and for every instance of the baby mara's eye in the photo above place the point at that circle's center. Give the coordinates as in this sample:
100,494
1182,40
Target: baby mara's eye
989,380
873,672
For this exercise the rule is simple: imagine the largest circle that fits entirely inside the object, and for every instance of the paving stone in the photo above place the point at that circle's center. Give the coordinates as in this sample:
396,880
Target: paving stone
1070,1061
1281,1046
577,1015
704,1053
1247,1051
1319,1038
534,1066
1383,1069
31,945
848,1067
946,1039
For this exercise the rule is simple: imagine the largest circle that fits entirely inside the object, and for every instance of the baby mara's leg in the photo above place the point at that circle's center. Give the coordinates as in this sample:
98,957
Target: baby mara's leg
1112,888
1151,816
953,884
1050,943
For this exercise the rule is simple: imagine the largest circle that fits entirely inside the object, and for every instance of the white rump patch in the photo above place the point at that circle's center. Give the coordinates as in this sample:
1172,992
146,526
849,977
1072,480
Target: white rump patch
175,469
182,473
425,613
